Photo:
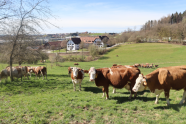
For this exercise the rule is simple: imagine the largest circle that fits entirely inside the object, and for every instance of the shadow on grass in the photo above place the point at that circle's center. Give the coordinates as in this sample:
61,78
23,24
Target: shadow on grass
175,107
138,93
93,89
121,100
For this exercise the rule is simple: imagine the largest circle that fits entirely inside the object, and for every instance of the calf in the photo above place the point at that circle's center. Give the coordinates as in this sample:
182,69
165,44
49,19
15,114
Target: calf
116,77
77,76
163,79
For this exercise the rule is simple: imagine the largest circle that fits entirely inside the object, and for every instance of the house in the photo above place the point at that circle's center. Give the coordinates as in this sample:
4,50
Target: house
55,44
73,44
98,41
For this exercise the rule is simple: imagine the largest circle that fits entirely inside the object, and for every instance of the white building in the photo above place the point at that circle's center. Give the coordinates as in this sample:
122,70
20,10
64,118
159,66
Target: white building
73,44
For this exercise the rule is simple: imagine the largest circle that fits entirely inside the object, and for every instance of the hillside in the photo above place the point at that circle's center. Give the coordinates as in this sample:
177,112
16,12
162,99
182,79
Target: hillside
157,53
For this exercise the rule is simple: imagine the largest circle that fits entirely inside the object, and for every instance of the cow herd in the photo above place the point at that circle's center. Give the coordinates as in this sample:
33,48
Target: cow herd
20,71
147,65
129,77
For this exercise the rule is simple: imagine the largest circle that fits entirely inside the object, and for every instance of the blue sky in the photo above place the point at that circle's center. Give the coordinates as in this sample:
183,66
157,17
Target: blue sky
100,16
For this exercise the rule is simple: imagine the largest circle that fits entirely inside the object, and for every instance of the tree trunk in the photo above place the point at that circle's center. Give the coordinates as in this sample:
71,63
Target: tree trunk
82,53
11,76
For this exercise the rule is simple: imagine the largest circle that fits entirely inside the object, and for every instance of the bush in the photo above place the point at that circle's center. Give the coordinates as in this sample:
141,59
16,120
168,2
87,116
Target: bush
89,58
93,51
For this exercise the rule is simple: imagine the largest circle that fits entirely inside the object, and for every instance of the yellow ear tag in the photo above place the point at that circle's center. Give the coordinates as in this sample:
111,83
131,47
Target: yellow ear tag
96,75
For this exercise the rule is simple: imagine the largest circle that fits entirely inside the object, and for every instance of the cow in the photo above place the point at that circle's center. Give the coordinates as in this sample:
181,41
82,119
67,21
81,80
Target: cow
77,76
127,86
137,65
155,66
24,70
163,79
40,70
16,72
116,77
151,66
4,74
30,70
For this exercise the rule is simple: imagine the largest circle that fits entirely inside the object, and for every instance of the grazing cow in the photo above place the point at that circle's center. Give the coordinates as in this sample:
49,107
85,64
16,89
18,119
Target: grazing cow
77,76
4,74
114,65
24,70
16,72
155,66
40,70
137,65
151,66
76,64
163,79
116,77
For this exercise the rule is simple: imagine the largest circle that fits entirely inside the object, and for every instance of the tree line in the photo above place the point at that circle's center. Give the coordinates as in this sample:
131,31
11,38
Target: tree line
173,26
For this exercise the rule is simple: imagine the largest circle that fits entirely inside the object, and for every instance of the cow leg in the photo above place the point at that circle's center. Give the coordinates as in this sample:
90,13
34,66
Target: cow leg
74,85
103,92
80,86
183,98
157,92
167,96
132,92
114,90
45,75
105,89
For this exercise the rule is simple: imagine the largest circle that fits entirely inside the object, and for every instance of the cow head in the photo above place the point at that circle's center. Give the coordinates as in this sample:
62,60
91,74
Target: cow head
140,84
92,74
74,70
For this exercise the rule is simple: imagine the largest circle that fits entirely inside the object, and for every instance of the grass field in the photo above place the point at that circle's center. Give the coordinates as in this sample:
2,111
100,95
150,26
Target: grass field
54,101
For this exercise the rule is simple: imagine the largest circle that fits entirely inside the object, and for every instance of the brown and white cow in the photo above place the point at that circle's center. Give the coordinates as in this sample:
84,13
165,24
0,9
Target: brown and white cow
128,85
24,70
116,77
39,70
16,72
163,79
77,76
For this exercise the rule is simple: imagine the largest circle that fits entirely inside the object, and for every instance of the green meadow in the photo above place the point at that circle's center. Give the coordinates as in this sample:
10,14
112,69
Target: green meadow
54,101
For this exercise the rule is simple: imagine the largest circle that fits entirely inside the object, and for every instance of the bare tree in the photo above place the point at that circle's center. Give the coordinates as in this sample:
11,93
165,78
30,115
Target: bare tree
52,48
25,20
64,45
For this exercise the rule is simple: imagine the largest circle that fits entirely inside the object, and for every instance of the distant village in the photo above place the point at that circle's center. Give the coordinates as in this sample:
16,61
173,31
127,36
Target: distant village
68,41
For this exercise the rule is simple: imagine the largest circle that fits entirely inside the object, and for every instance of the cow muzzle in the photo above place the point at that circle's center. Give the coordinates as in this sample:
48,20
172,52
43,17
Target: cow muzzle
134,90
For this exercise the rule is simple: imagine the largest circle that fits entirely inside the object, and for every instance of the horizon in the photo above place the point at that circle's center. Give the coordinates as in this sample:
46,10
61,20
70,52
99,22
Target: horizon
107,16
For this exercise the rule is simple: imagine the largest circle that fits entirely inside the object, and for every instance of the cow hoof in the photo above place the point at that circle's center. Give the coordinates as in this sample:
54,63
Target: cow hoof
129,98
